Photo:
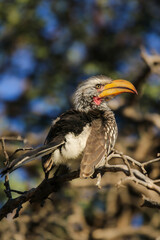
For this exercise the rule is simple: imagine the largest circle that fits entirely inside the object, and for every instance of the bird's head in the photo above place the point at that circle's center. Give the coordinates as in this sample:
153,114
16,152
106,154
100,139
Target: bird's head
96,91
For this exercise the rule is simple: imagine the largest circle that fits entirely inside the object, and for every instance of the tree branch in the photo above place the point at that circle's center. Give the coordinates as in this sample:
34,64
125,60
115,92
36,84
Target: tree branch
52,185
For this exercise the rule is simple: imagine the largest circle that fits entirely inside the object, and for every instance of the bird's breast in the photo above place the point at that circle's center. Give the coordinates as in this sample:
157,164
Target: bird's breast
71,152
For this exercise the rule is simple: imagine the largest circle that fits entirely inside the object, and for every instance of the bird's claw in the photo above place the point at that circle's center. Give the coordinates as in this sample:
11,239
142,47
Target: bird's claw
98,183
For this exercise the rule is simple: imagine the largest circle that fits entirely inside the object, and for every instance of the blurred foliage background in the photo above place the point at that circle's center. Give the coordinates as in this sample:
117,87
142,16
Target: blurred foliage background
46,48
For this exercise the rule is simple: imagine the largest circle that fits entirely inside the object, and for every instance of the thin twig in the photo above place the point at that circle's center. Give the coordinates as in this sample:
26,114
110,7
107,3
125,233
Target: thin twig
10,138
156,181
151,161
6,157
6,162
127,164
117,154
17,191
20,149
17,211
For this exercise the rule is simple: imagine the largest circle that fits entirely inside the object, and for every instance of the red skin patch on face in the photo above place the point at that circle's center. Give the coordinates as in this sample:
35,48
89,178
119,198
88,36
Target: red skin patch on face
97,100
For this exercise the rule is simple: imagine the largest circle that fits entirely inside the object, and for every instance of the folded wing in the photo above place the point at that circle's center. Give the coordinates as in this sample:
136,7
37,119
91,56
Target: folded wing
95,149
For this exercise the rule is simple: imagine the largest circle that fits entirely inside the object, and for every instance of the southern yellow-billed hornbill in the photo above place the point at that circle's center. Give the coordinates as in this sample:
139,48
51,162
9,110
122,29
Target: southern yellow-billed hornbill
80,137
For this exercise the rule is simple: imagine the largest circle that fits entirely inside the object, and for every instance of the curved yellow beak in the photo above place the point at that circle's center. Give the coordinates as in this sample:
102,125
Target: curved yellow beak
117,87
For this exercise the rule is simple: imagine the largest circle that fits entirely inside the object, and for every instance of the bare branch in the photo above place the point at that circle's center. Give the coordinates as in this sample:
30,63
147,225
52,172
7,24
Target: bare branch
151,161
17,211
20,149
6,159
6,162
52,185
48,186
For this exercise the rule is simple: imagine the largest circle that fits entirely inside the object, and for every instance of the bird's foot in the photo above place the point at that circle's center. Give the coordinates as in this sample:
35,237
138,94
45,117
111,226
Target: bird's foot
98,183
116,151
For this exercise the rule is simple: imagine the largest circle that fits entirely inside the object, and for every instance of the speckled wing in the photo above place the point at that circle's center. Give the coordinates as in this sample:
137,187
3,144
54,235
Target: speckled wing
95,149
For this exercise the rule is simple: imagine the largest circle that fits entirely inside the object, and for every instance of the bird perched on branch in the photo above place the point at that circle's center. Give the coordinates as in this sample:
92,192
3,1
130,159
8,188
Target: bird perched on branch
81,137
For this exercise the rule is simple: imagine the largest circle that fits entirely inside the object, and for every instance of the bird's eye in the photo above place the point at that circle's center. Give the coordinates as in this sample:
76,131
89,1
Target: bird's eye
98,86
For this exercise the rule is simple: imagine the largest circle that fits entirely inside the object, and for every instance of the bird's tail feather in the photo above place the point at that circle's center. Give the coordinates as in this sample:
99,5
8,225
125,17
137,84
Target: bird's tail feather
30,155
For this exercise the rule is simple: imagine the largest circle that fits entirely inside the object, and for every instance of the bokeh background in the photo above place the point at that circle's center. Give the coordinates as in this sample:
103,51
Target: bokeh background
46,48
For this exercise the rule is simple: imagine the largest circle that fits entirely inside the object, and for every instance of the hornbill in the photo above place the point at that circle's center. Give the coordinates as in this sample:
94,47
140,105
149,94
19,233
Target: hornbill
81,137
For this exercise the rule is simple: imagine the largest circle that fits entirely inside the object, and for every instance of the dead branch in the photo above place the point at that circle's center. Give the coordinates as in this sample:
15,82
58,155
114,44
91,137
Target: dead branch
10,138
19,150
52,185
6,162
